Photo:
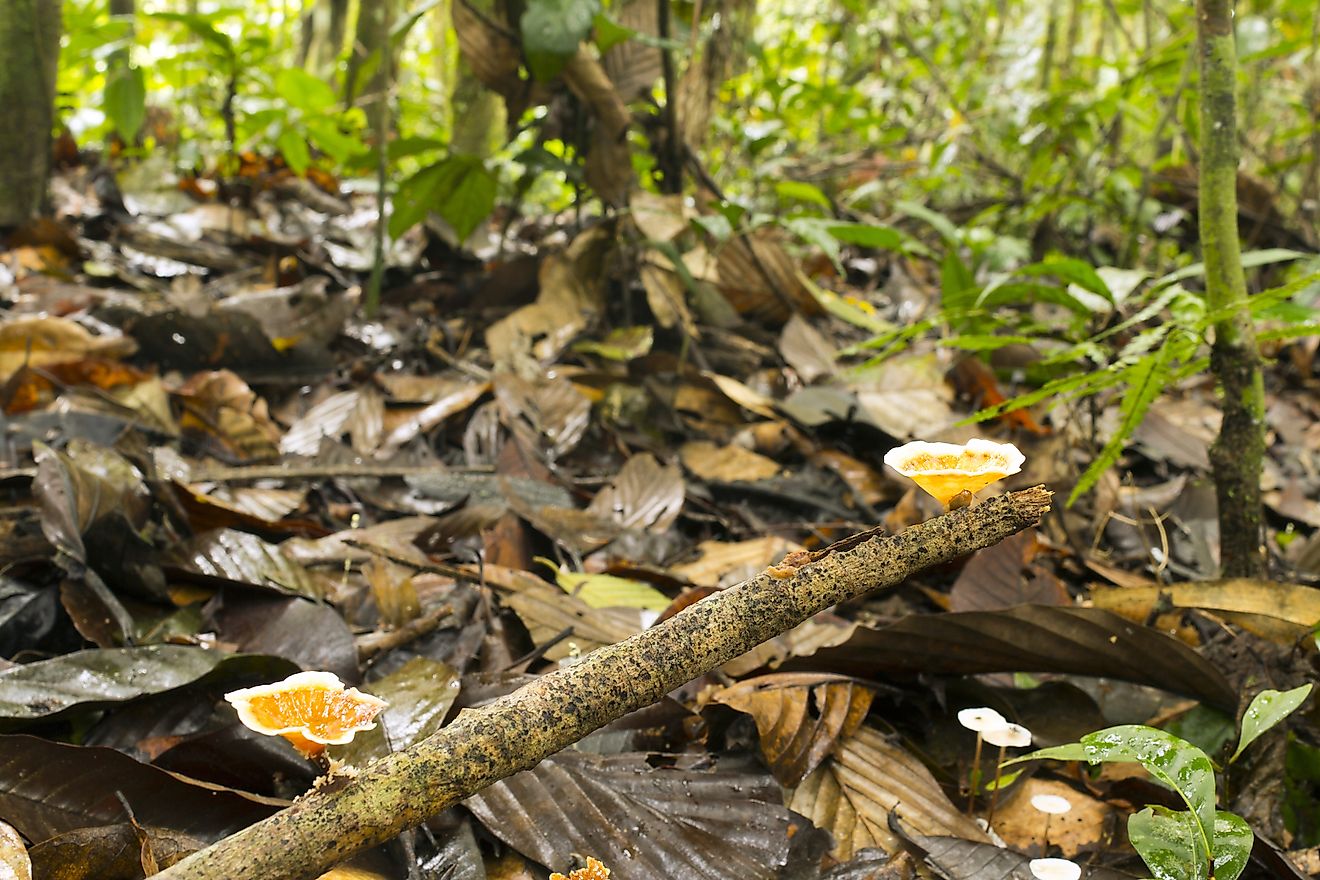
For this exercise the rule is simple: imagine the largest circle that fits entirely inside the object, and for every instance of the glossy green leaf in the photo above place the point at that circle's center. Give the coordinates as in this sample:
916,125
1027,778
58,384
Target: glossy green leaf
1172,761
1267,709
1233,842
1166,840
796,190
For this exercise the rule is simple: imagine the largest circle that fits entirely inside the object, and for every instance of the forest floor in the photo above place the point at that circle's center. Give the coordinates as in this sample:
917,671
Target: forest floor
216,470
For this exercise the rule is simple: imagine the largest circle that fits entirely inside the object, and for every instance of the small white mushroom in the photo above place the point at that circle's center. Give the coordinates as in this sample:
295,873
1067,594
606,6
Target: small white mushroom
1008,736
981,719
1055,869
1051,803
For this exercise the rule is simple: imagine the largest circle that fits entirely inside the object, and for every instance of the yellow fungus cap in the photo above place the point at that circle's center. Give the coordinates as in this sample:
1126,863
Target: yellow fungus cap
309,709
945,469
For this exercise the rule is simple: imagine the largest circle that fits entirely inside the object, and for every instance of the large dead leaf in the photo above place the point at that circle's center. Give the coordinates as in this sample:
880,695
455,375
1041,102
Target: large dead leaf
1003,575
853,793
643,495
959,859
660,823
801,717
84,680
758,278
634,66
569,302
609,168
243,558
907,396
1275,610
550,414
1029,638
724,563
47,788
110,852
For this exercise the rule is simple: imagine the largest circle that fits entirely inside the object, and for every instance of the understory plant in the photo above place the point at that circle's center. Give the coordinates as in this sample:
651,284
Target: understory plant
1201,841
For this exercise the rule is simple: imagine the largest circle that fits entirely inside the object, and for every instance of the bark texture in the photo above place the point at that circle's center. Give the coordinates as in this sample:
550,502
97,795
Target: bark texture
30,49
1235,359
514,733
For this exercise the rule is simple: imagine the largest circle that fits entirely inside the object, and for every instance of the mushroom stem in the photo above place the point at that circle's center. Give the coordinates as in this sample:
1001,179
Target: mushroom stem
974,778
994,795
1045,836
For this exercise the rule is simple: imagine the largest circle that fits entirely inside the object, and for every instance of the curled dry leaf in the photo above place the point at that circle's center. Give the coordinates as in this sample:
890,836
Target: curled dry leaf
800,717
853,793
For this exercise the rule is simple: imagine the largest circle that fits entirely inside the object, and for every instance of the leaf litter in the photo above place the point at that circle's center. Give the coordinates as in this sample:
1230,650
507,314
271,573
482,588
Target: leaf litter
216,471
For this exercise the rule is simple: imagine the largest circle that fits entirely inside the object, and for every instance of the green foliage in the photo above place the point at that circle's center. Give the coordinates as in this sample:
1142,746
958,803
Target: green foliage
1182,844
1267,709
552,30
459,188
126,101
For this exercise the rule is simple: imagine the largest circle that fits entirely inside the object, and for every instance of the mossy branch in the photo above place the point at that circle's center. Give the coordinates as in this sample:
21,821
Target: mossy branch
484,745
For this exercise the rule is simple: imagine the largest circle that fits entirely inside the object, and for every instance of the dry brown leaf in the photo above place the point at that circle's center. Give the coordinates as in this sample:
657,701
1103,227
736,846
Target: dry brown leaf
728,463
723,564
801,717
852,794
633,66
806,350
1082,829
219,409
752,401
41,342
907,396
822,631
609,168
462,394
865,482
1003,575
548,611
644,495
758,278
666,294
569,302
658,217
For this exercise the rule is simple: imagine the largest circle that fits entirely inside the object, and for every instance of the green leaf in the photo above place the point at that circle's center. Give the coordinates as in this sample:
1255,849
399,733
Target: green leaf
941,224
609,33
1172,761
813,230
294,150
323,131
1072,271
300,89
957,286
458,188
1267,709
203,27
126,101
552,30
1166,840
1233,842
802,192
1146,379
870,235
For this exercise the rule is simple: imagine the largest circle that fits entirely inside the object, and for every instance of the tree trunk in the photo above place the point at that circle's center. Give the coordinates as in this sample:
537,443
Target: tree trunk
30,47
483,745
1237,454
372,52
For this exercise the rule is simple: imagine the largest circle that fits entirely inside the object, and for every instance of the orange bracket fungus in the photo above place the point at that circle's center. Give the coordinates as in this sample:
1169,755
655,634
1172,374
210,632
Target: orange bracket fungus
310,709
946,470
593,871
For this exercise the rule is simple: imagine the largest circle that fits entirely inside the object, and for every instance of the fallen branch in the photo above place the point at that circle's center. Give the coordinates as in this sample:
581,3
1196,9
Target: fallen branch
514,733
